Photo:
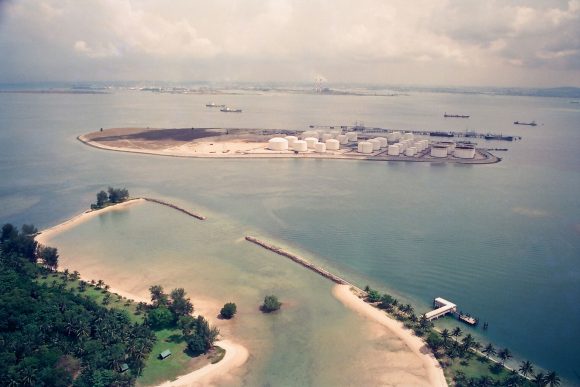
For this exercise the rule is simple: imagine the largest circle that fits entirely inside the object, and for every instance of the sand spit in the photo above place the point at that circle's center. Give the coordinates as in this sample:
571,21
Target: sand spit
236,355
434,371
245,143
45,235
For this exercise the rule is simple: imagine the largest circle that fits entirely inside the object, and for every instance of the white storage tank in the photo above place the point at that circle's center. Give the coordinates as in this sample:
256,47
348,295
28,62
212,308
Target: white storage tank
309,133
342,138
300,146
411,151
408,136
376,144
391,137
325,136
402,146
365,147
393,150
278,144
438,150
291,140
320,147
332,144
310,141
384,142
397,135
352,136
464,151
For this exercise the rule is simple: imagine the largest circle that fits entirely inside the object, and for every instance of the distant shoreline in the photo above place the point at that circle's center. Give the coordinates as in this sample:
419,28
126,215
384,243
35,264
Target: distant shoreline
209,143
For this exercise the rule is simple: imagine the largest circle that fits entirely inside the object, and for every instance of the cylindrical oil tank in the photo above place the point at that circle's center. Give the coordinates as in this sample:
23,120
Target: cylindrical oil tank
332,144
464,152
408,136
342,138
410,151
397,135
384,142
393,150
402,146
320,147
325,136
309,133
300,146
376,144
438,150
310,141
365,147
391,137
352,136
278,144
291,140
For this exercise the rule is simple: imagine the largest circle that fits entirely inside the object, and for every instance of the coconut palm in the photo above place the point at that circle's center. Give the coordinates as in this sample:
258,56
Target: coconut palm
456,332
552,379
540,379
445,335
526,368
504,355
489,350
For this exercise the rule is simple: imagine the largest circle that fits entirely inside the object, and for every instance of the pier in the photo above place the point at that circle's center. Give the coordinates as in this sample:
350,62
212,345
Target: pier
299,260
444,307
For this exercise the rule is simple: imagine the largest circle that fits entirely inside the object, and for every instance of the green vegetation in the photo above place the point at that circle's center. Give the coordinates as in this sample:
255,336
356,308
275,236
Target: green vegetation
465,361
270,304
52,336
112,196
229,310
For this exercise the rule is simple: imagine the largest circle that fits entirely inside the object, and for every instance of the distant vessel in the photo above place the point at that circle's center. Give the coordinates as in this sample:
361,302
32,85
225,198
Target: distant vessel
454,115
214,105
441,134
230,110
533,123
490,136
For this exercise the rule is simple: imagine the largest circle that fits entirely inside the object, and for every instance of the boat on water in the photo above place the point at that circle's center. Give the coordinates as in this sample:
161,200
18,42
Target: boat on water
454,115
441,134
533,123
500,137
214,105
226,109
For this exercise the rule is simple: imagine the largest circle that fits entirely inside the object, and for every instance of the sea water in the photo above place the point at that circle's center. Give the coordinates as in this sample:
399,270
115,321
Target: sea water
501,241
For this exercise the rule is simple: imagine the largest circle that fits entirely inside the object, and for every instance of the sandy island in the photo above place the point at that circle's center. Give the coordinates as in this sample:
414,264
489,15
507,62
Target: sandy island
236,354
434,371
240,143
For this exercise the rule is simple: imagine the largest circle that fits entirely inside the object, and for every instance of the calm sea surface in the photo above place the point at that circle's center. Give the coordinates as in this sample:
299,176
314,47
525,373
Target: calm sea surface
502,241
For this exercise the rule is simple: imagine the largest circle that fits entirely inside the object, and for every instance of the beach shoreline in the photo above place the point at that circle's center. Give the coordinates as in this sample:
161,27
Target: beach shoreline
434,371
235,355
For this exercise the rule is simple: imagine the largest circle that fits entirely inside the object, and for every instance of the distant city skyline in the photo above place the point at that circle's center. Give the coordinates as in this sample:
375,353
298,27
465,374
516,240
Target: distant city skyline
519,43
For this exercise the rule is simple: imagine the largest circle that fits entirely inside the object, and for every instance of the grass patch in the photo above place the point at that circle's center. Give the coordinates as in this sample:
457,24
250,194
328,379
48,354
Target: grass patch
179,363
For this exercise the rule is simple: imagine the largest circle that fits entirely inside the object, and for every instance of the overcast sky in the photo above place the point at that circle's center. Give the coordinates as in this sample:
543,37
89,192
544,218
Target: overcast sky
419,42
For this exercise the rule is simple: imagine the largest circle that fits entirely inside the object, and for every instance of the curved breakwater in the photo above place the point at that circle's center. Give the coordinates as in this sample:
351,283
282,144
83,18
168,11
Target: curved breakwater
192,214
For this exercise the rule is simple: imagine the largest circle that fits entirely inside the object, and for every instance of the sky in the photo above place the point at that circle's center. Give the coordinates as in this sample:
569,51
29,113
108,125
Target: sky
520,43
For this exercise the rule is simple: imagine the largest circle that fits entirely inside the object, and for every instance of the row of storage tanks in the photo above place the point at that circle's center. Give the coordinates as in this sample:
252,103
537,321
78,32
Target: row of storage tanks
405,144
310,140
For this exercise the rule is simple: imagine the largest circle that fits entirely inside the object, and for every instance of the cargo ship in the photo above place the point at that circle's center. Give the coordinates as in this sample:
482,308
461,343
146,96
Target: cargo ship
533,123
454,115
441,134
230,110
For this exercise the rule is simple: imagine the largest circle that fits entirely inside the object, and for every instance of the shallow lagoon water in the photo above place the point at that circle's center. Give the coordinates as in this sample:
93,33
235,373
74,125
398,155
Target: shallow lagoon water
499,240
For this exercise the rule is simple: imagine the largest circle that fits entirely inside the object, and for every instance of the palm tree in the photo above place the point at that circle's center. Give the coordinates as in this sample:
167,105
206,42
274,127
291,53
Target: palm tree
445,335
467,341
526,368
552,379
540,379
456,332
504,355
489,350
100,283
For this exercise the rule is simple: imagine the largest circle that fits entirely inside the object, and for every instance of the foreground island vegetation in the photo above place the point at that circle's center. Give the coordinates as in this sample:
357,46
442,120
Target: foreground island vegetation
59,330
466,362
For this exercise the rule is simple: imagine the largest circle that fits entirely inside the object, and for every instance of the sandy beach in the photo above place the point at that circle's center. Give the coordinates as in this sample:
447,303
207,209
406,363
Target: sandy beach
434,371
235,355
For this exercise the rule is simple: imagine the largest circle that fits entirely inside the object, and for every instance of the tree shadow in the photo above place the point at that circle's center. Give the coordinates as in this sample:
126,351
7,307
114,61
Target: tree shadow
175,338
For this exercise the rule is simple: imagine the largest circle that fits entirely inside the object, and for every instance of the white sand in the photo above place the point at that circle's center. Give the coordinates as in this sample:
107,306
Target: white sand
415,344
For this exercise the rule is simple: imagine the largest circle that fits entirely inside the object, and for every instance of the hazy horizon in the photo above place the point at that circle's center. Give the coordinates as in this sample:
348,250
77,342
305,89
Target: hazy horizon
517,43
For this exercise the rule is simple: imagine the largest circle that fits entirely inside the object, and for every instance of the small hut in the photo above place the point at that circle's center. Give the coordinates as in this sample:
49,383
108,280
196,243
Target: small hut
165,354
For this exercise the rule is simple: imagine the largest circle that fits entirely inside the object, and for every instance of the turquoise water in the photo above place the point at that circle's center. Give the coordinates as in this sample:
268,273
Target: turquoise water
502,241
